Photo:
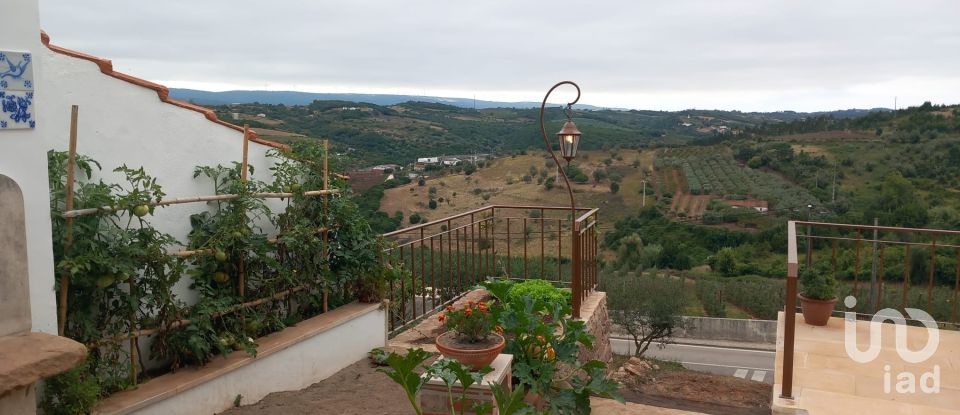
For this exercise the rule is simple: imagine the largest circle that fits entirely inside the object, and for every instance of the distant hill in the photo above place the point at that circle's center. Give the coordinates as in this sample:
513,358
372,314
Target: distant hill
304,98
400,132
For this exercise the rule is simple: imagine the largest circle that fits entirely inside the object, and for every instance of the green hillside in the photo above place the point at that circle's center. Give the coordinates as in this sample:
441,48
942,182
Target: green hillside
400,133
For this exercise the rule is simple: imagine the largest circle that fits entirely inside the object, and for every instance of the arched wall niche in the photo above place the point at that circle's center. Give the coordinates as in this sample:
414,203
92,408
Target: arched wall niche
14,279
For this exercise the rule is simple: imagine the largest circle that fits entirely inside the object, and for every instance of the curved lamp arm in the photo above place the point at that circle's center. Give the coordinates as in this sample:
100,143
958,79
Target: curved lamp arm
546,141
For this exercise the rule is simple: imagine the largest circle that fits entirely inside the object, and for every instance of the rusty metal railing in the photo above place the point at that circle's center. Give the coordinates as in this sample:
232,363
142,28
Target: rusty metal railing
896,256
445,258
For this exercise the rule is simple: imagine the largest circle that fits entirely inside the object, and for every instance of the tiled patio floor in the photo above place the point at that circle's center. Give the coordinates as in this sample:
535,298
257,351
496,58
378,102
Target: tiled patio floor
828,381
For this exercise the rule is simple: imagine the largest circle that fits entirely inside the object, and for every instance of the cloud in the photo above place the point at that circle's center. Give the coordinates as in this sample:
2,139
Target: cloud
747,55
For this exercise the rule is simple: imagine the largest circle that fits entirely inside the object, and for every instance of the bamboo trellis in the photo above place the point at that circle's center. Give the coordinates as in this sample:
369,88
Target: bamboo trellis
69,214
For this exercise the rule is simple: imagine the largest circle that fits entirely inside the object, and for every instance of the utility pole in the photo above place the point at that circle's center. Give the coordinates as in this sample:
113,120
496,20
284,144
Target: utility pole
644,203
836,165
873,268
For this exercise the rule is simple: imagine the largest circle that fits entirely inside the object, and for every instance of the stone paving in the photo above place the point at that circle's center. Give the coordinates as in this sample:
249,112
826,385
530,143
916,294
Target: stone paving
828,381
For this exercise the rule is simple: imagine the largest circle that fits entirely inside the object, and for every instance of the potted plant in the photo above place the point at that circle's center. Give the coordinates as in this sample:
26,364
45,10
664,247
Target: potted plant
818,296
470,338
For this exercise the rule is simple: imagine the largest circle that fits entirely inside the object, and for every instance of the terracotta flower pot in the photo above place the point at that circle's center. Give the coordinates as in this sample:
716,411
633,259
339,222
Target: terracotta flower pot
817,312
474,355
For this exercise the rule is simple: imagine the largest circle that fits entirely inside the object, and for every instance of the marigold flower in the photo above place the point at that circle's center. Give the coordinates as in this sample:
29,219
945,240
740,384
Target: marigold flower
498,329
550,354
482,307
468,312
540,339
441,317
450,308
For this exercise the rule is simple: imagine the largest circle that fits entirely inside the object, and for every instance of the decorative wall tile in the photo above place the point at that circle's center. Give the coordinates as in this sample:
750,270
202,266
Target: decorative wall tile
16,71
16,91
16,110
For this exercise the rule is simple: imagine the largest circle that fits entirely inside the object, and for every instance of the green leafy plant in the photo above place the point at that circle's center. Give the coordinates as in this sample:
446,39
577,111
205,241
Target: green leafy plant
540,291
402,370
545,344
405,371
72,392
817,284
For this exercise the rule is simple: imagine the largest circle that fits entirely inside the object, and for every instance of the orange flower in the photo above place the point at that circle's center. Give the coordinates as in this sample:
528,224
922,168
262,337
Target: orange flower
550,354
482,307
498,329
441,317
450,308
468,311
469,304
540,339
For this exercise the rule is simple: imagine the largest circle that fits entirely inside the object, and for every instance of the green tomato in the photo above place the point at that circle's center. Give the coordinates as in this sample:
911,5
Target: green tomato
236,235
226,341
295,187
141,211
106,280
221,277
220,256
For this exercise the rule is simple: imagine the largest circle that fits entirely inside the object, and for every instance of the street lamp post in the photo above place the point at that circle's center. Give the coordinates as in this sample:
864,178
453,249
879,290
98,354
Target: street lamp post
569,138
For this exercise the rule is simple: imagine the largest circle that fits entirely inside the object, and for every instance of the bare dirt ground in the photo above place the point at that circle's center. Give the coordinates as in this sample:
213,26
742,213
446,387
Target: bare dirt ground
669,385
357,389
841,135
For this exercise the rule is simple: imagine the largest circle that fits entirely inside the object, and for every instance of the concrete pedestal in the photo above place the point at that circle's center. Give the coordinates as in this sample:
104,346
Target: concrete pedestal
435,399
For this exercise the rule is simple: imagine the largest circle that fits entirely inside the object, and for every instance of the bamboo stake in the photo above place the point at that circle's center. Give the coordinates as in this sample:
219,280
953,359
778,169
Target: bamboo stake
241,283
326,240
133,340
65,277
195,199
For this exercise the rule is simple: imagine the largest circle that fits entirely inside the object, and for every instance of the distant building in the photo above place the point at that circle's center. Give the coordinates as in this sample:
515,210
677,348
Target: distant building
758,205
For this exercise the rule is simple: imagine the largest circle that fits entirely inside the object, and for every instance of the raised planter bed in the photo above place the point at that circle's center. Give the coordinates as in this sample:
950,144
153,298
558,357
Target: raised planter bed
291,359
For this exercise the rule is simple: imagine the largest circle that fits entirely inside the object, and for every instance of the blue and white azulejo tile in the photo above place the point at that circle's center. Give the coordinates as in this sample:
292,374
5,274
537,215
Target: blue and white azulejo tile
16,91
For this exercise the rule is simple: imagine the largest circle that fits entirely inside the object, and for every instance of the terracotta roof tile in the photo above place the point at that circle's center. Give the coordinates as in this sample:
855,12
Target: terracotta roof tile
106,67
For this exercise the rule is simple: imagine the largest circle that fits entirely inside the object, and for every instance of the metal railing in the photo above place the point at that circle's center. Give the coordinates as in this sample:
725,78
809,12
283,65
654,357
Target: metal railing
892,267
446,258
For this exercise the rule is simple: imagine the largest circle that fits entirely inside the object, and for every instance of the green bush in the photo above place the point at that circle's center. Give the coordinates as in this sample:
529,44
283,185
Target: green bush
72,392
540,291
817,285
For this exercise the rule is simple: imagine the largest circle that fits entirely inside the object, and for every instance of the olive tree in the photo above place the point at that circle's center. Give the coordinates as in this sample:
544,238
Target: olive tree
647,307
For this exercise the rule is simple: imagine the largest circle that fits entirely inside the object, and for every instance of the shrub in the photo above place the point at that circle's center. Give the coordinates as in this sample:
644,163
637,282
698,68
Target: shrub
415,218
817,285
614,187
72,392
432,204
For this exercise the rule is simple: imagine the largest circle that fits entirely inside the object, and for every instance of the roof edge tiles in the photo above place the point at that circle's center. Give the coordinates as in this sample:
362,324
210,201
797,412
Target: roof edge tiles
106,67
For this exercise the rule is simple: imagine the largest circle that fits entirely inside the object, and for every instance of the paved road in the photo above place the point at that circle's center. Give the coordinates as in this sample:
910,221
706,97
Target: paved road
755,365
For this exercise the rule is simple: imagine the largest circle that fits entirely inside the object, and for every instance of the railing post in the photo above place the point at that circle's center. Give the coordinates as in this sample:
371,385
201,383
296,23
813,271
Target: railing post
789,312
577,265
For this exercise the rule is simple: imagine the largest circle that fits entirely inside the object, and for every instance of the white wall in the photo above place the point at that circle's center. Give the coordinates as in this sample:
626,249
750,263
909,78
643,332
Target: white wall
124,123
23,159
294,368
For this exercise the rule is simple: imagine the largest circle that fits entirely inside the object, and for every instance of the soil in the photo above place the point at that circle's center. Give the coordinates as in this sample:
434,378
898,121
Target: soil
672,386
357,389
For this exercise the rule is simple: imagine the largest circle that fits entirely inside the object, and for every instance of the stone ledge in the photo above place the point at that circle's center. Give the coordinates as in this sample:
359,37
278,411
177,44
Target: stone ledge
28,357
172,384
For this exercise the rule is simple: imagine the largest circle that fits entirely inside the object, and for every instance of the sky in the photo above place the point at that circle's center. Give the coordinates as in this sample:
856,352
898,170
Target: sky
759,55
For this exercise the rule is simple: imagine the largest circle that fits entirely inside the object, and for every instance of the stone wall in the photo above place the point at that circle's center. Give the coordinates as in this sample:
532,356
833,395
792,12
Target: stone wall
594,312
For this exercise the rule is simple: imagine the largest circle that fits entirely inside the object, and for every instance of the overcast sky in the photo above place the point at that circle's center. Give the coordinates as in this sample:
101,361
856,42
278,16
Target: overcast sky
764,55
